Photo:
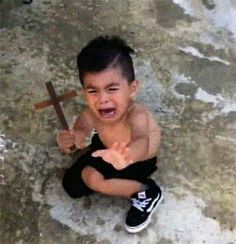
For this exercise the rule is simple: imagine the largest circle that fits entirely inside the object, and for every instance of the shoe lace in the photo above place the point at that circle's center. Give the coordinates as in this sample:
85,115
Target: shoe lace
140,204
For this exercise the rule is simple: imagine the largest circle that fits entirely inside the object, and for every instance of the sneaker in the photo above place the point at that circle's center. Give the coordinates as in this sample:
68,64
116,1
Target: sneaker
144,203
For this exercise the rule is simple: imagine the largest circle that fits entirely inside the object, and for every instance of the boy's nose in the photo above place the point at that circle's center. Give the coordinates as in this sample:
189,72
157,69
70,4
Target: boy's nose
103,98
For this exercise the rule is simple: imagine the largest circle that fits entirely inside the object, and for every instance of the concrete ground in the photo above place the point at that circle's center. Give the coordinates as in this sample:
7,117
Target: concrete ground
186,62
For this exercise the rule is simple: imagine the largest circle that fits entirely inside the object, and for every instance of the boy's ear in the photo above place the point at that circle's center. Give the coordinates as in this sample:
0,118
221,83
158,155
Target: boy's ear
134,87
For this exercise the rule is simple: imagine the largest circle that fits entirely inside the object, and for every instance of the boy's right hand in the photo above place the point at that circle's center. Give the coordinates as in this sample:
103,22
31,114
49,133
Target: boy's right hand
65,140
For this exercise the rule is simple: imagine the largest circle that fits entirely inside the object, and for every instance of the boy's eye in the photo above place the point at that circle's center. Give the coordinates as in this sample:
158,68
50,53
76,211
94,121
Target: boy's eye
91,91
113,89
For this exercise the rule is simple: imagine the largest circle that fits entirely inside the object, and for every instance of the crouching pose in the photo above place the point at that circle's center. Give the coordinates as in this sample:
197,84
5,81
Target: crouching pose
123,151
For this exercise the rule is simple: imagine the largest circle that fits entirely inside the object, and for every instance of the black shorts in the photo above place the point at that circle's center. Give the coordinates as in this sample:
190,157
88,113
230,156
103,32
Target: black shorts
72,180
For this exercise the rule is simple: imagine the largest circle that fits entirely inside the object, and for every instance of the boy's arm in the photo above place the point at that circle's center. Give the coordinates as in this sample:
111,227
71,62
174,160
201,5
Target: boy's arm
82,127
145,135
145,140
77,135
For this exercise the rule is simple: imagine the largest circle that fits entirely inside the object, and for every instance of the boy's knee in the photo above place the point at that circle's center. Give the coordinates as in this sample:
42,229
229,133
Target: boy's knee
92,178
67,183
74,186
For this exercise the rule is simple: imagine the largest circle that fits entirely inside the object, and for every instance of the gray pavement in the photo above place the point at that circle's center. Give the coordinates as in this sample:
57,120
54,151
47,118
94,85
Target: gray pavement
186,62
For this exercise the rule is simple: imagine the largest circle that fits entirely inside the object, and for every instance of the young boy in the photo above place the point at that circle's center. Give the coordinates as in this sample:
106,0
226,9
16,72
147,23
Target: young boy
122,154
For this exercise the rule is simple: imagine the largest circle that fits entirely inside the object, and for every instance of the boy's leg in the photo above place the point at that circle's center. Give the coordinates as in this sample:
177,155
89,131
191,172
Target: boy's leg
145,196
72,180
145,201
144,204
113,187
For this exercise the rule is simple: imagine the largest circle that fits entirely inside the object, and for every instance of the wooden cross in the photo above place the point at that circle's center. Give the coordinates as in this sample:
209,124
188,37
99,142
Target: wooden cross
55,102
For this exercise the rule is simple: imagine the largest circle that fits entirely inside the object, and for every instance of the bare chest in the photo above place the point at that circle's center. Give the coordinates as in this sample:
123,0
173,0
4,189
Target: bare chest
109,135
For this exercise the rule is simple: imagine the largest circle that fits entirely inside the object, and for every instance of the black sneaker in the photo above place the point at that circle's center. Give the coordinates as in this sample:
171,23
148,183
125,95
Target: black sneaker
144,203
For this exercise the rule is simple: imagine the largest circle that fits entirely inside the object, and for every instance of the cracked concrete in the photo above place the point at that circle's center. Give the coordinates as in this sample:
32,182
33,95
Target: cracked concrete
186,61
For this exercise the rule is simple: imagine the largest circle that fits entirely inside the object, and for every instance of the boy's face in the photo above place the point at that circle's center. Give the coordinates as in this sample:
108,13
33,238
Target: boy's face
108,94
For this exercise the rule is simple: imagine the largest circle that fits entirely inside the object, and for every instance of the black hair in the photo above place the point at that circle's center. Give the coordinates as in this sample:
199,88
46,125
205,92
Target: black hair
104,52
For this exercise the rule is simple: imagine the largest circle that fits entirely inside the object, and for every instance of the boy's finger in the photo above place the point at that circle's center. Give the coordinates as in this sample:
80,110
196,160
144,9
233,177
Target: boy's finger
127,150
63,132
123,144
78,143
98,153
68,143
65,137
122,147
115,146
67,140
130,161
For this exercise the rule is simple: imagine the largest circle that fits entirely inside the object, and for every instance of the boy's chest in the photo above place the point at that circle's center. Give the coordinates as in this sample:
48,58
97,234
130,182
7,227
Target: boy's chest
109,135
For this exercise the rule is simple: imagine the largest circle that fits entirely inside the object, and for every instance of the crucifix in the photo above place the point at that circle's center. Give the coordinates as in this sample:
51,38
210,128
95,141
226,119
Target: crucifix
55,102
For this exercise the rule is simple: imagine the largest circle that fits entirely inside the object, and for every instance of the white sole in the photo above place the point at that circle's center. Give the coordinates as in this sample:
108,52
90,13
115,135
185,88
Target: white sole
144,224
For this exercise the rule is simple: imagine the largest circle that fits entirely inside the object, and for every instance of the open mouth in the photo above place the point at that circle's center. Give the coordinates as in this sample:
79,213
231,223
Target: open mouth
107,112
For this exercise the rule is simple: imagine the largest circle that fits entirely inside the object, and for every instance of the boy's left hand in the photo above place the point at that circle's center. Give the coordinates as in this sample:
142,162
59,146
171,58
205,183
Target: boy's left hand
118,155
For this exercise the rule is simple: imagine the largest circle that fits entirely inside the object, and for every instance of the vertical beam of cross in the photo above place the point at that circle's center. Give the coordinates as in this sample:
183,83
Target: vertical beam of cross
55,102
57,106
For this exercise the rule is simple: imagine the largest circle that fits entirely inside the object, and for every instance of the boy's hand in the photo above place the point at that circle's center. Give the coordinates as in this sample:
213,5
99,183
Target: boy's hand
66,139
118,155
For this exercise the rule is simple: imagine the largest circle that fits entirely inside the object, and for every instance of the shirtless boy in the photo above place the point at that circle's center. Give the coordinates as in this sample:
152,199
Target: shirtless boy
122,154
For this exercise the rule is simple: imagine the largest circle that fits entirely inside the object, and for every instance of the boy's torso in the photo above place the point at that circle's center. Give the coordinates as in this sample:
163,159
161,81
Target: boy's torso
121,131
109,134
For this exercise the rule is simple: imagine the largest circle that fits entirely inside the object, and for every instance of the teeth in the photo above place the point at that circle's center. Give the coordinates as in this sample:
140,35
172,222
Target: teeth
107,112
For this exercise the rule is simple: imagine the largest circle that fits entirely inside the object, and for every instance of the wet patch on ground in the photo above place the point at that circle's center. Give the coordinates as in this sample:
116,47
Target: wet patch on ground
169,14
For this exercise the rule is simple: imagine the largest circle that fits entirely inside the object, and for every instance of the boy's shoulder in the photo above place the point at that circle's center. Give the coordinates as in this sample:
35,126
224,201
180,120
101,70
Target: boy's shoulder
84,119
137,108
85,113
138,112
